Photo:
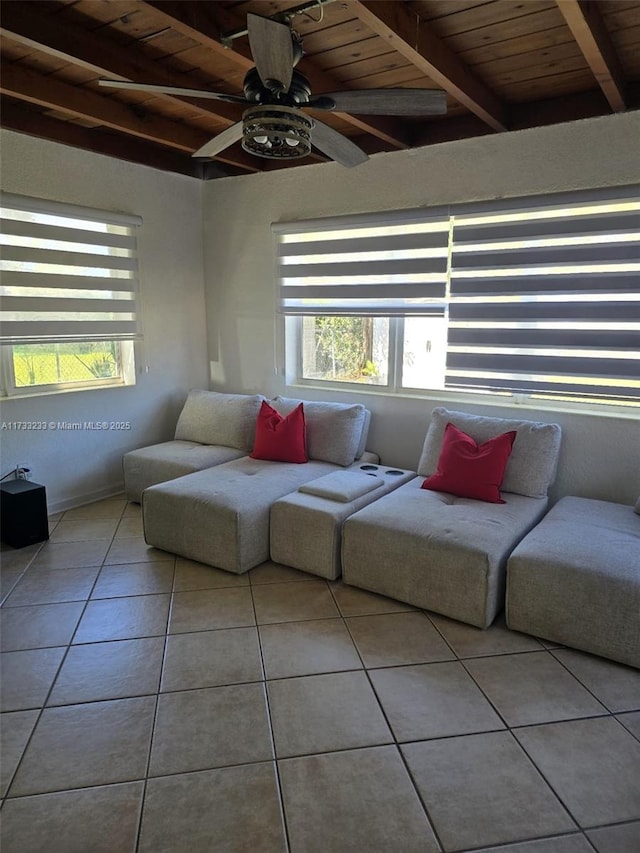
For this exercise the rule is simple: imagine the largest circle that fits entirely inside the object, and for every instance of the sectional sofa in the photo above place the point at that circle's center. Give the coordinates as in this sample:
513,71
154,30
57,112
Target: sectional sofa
571,576
205,498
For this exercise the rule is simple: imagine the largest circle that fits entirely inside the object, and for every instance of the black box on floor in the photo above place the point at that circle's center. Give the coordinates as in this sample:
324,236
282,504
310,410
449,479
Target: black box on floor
23,513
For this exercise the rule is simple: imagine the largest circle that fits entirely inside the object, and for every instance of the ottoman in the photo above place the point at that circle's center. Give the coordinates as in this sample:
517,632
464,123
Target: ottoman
575,579
306,526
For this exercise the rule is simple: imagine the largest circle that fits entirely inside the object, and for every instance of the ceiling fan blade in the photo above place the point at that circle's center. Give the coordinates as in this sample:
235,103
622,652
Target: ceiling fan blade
221,141
340,148
387,102
272,50
172,90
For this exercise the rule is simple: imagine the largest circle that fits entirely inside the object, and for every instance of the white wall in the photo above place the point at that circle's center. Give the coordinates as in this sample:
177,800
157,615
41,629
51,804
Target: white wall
600,455
79,466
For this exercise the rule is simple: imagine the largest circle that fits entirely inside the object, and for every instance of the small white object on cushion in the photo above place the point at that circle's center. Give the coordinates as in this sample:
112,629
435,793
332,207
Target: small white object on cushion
343,486
209,417
532,464
637,507
334,430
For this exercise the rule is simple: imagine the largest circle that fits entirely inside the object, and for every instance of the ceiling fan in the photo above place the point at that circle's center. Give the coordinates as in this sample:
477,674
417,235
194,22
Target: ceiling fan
274,124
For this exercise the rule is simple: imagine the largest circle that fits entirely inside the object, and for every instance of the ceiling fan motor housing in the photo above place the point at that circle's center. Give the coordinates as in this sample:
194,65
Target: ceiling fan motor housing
255,91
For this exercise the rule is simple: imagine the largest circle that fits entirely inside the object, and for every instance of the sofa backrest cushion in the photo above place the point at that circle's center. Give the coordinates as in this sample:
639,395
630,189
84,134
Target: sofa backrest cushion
334,430
532,464
209,417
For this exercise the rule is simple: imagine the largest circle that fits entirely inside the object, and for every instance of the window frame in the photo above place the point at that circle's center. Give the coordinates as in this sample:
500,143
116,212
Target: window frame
65,283
291,351
9,390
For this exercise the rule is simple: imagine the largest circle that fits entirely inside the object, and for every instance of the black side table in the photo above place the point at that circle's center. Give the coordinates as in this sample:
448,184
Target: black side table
23,513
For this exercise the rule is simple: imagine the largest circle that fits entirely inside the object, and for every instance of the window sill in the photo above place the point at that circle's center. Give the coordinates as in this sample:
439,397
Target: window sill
51,392
445,398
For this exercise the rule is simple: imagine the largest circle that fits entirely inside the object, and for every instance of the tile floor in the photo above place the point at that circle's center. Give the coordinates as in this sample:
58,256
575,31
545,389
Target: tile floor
153,704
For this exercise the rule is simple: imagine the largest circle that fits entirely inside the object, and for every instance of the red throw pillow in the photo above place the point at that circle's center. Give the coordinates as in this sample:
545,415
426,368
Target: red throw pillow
471,470
280,439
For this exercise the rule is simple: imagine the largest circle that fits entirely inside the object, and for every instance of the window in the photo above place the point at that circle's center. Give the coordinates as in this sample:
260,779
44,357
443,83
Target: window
69,288
536,297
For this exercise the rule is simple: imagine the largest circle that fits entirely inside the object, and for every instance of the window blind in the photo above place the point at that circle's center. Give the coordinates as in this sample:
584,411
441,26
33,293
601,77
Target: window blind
388,265
545,298
68,274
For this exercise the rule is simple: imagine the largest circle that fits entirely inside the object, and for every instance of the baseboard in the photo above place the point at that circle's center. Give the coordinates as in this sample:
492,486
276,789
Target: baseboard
112,491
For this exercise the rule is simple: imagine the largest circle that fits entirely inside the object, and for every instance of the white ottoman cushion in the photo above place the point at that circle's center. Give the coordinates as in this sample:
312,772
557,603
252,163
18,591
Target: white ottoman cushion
343,486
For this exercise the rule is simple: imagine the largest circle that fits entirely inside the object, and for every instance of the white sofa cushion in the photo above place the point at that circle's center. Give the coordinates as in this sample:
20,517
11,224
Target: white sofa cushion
161,462
334,430
220,516
437,551
574,579
209,417
532,464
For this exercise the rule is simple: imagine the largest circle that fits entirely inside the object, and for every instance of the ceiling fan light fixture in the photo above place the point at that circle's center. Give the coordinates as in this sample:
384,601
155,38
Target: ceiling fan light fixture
276,132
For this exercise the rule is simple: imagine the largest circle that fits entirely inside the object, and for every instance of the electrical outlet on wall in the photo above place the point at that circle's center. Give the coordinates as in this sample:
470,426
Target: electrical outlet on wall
23,472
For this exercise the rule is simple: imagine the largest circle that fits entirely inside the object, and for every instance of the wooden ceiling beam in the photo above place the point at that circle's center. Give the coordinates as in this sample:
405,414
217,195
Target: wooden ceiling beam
26,85
588,29
124,147
21,22
405,32
195,20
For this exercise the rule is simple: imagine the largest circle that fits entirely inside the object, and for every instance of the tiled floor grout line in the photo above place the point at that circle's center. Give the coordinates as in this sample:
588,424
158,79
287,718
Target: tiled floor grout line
43,707
506,846
59,669
579,680
486,696
507,728
398,744
155,713
617,714
511,729
543,776
251,585
3,595
276,766
399,751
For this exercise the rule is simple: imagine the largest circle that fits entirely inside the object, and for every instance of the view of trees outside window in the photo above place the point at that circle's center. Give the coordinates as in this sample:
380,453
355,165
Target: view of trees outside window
346,349
356,349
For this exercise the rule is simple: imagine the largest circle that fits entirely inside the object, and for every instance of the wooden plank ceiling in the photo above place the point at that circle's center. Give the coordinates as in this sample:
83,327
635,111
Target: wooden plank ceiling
504,65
